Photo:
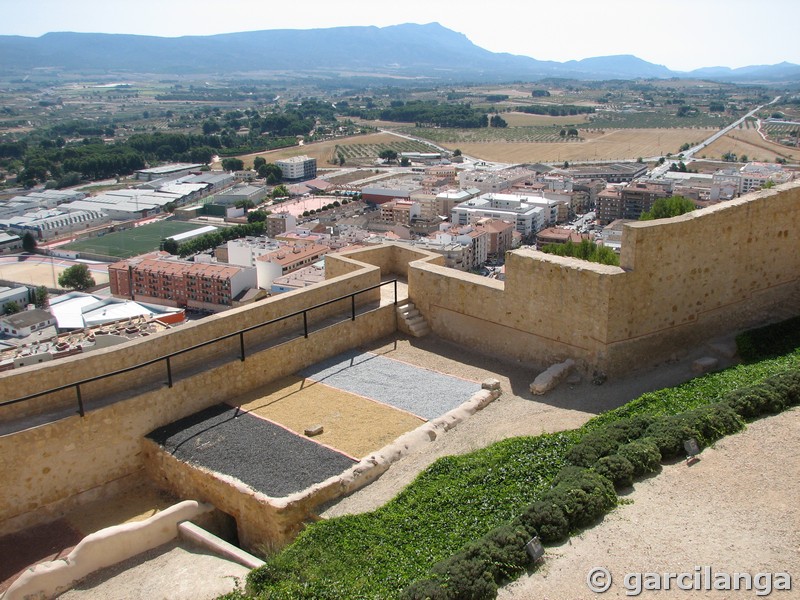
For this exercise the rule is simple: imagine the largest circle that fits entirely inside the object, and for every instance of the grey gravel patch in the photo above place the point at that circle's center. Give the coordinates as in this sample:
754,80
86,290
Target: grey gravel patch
425,393
268,458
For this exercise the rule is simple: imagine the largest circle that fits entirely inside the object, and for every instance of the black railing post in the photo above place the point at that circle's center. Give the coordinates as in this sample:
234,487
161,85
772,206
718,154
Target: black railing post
80,399
395,292
169,372
305,324
241,344
353,306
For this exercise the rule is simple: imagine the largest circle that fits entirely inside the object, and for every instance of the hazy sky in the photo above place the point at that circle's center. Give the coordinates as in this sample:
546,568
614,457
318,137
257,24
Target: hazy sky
681,34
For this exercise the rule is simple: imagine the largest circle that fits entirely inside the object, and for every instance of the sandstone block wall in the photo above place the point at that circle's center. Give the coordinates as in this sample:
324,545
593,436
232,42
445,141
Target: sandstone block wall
681,281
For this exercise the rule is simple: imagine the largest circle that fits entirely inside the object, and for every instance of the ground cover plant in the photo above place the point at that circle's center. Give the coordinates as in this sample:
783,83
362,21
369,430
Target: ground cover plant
457,530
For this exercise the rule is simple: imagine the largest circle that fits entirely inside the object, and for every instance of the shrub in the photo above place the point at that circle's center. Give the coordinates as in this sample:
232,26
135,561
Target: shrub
755,401
643,454
547,520
607,439
713,421
787,385
617,469
504,548
465,577
426,589
669,433
582,495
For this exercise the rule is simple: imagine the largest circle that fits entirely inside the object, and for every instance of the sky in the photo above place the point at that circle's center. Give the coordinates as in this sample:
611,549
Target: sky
680,34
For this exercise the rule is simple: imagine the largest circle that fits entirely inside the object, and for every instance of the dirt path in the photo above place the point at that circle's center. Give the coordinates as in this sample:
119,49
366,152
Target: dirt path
736,510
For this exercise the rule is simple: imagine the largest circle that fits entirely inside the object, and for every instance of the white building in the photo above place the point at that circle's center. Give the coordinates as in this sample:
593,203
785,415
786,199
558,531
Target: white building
49,224
19,295
528,213
24,323
244,251
298,167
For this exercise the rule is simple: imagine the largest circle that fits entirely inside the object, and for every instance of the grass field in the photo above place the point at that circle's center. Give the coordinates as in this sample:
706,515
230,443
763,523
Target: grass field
131,242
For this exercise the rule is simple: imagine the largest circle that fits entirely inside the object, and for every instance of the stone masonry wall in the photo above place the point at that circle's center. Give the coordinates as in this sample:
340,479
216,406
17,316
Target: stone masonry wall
681,281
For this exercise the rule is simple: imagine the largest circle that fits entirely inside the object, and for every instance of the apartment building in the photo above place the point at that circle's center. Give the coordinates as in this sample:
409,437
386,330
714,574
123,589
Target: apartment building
298,167
159,278
609,205
639,198
500,235
528,213
401,212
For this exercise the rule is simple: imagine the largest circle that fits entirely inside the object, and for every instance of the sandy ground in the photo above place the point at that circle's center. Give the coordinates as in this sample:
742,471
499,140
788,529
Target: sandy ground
735,510
33,272
353,424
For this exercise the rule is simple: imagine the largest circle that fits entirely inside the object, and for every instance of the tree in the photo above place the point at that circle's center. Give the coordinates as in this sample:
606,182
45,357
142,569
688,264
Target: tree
259,161
280,191
388,155
404,162
41,297
232,164
169,245
256,216
11,308
341,159
245,204
76,277
457,152
28,242
663,208
497,121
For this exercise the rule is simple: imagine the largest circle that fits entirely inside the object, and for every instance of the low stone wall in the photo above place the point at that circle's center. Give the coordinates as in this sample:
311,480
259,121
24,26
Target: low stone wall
42,468
265,523
28,380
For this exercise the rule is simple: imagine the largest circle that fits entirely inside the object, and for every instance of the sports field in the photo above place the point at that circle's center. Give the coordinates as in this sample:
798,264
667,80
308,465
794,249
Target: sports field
131,242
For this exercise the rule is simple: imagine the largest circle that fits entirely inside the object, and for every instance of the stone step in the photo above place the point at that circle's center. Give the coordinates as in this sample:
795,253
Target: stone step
420,329
410,314
415,320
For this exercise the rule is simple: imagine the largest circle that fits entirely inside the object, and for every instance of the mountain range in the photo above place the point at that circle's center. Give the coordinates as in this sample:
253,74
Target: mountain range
414,51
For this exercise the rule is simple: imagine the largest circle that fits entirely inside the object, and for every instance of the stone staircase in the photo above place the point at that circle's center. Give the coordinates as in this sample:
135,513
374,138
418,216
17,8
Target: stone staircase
415,323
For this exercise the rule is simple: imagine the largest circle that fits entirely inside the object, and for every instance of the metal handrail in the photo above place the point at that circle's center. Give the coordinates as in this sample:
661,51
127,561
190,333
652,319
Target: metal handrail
216,340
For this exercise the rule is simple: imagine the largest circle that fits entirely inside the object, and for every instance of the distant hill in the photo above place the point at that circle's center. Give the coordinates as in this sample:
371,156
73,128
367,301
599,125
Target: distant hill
409,51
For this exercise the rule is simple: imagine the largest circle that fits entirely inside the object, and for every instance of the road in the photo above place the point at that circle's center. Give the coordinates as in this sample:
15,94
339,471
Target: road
688,155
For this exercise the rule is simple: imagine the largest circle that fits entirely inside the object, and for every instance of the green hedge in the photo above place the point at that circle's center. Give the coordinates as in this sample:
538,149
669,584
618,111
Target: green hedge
580,496
774,340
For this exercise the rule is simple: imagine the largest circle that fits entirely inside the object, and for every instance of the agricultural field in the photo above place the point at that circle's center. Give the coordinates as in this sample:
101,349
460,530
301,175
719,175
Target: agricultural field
608,145
519,119
131,242
355,148
748,141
